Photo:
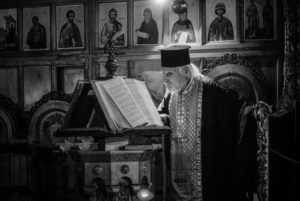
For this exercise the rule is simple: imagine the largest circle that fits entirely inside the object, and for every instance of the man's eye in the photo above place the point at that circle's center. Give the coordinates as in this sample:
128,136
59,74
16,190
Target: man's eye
169,74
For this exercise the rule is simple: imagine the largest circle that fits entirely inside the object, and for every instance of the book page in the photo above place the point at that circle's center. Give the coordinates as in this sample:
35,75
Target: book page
122,97
143,98
183,37
142,34
115,119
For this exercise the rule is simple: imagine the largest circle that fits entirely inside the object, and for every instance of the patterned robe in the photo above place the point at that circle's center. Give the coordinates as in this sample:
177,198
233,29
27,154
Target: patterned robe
204,120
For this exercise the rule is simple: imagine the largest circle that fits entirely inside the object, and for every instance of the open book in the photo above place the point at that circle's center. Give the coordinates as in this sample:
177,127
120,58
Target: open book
126,103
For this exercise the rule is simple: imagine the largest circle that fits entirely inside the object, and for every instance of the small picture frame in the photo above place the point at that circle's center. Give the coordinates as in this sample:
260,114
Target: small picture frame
260,20
70,27
36,28
184,23
8,29
147,23
112,24
221,21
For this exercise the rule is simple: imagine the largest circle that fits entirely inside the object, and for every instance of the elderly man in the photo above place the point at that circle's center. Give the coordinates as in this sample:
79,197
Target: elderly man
204,119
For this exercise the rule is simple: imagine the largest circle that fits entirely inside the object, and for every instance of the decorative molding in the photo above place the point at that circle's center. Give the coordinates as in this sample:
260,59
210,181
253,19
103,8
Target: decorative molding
47,116
286,102
262,112
237,60
239,68
8,120
52,95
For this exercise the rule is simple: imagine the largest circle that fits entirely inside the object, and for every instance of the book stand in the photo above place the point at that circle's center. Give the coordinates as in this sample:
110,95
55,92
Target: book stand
86,118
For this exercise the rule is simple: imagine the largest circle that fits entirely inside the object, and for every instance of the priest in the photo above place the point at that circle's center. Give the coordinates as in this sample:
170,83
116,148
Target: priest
204,119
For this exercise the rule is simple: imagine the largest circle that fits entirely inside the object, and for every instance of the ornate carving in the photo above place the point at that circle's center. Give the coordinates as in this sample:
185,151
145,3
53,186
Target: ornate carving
235,59
111,65
47,116
286,102
243,89
238,60
52,95
262,111
8,120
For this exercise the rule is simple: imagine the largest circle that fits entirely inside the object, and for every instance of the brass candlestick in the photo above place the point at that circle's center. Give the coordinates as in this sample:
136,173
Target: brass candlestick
111,65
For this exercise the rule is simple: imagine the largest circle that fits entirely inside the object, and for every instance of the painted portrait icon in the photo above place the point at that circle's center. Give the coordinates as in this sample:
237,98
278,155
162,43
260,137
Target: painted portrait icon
70,26
221,21
147,23
113,23
184,21
259,19
36,28
8,29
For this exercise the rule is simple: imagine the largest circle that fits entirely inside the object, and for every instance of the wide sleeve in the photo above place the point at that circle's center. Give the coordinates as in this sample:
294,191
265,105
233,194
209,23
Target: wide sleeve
163,109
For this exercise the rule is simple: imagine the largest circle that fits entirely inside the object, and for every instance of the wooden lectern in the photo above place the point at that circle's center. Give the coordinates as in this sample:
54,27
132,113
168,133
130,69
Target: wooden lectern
102,167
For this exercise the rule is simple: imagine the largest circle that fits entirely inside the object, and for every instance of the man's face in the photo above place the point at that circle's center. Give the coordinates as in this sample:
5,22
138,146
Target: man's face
112,16
220,12
173,79
71,17
35,20
147,16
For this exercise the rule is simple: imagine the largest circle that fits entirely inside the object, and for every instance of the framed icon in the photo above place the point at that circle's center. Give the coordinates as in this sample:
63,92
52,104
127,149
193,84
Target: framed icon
259,20
8,29
184,22
70,27
147,23
221,21
36,28
113,23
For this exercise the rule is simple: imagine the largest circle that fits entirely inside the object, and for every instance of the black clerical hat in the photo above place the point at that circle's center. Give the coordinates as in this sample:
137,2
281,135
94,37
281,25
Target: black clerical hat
175,56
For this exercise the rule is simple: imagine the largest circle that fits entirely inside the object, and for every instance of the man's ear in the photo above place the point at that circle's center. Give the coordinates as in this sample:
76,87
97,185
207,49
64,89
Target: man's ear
187,71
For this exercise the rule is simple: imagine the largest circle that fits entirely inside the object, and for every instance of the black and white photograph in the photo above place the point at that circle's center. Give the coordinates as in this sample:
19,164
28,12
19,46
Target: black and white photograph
149,100
36,28
70,26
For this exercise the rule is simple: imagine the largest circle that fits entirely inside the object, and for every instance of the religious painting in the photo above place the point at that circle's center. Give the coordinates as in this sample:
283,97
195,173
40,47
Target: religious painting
259,19
147,23
8,29
112,24
36,28
221,21
184,22
70,26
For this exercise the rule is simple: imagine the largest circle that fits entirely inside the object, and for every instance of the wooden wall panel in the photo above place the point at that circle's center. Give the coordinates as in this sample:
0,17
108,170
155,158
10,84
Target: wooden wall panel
71,76
9,83
152,65
37,82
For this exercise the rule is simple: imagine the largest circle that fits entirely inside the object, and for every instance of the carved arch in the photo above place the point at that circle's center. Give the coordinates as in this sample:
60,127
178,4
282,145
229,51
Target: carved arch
46,116
8,120
234,71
